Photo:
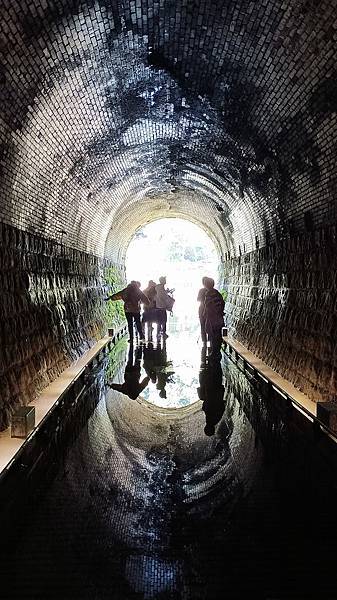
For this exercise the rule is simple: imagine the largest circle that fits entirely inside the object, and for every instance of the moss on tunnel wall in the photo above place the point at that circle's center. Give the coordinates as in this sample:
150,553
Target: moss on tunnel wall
212,109
113,113
282,304
114,277
51,311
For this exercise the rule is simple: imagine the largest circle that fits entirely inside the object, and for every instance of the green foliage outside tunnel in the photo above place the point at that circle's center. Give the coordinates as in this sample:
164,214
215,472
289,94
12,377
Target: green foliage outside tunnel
115,281
224,294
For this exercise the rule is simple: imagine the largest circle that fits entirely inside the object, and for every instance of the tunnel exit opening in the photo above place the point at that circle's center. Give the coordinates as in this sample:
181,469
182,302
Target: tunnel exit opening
184,253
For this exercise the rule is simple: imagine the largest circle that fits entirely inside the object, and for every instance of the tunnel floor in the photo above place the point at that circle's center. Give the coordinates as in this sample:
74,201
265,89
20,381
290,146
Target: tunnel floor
145,505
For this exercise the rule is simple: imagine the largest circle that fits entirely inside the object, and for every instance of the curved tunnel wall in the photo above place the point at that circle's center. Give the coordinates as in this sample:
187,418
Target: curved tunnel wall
117,112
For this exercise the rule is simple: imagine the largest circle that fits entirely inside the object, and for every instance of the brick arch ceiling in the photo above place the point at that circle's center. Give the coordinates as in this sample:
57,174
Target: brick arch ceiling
117,112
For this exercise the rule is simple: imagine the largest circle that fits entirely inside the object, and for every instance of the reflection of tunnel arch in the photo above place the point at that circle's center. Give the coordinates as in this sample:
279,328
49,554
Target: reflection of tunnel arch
134,485
127,455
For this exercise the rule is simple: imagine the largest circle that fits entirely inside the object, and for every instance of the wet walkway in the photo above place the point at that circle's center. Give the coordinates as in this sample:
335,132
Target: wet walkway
198,489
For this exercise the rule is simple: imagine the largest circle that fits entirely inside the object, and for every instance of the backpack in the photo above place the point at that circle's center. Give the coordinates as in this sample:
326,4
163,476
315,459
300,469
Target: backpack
169,302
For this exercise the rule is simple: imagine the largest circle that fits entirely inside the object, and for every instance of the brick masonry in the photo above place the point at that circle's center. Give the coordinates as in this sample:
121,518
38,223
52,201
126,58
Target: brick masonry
282,303
231,105
116,113
51,308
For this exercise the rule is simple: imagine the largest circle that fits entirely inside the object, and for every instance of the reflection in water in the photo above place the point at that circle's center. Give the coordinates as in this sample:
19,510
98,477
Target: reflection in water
132,385
157,367
146,506
211,391
168,374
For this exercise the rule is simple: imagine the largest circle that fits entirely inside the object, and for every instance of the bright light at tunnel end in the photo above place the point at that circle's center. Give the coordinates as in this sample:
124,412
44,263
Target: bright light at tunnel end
178,249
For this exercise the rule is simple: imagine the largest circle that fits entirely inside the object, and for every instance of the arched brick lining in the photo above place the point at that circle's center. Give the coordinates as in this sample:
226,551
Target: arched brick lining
222,111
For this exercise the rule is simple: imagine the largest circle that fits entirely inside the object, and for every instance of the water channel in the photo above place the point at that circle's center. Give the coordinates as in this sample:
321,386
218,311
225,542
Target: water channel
198,488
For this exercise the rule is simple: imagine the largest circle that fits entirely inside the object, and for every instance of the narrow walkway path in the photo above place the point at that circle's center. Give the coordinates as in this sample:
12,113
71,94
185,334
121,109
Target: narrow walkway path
46,400
274,378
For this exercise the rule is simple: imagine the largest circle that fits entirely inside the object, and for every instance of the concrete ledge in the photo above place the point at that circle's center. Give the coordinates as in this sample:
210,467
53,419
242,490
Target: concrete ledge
50,397
260,370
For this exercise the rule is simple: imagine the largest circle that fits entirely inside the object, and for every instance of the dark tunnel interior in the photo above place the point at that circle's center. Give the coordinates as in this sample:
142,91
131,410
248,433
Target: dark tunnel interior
117,113
138,503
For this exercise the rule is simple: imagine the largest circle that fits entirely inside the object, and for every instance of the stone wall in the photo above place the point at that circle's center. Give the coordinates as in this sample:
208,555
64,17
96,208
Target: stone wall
113,112
51,311
282,304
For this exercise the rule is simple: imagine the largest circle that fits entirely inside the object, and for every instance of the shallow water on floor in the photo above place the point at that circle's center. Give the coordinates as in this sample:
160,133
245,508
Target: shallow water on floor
231,495
164,371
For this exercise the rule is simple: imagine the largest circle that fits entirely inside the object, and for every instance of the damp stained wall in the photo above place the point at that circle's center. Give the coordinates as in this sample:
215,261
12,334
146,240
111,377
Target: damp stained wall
52,310
115,113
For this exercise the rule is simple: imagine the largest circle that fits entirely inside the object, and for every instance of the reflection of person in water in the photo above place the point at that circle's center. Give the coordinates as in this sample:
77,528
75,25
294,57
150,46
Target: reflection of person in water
211,392
149,361
132,385
162,379
156,366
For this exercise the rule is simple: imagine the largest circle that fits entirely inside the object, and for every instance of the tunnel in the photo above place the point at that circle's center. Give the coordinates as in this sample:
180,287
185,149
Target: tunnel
116,114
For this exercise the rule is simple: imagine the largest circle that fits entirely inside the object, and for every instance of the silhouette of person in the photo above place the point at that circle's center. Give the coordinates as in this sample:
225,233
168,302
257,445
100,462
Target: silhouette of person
148,314
201,298
149,361
213,314
164,302
132,385
156,366
162,378
132,297
211,392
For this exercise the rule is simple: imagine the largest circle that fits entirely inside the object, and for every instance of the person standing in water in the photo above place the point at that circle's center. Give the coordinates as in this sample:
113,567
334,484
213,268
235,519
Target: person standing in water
214,315
201,299
132,297
164,302
148,314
